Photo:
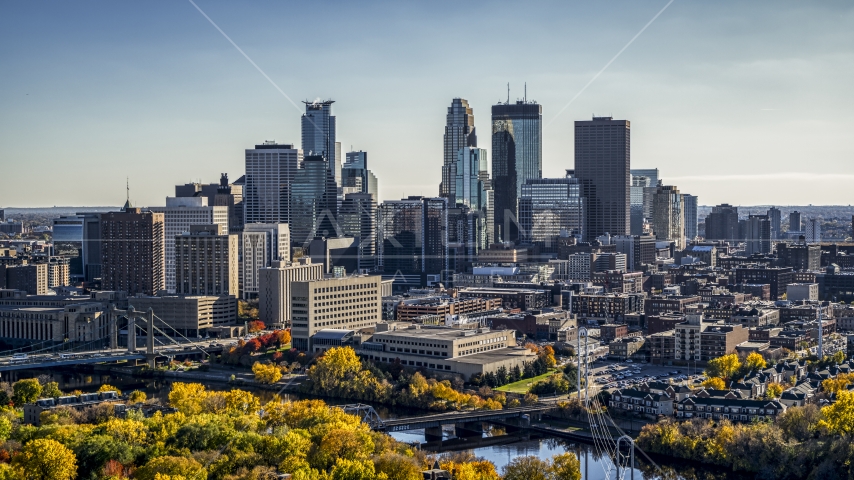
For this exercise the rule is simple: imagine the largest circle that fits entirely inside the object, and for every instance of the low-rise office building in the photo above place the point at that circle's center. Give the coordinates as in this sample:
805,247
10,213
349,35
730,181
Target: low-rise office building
189,315
407,311
463,352
274,290
80,322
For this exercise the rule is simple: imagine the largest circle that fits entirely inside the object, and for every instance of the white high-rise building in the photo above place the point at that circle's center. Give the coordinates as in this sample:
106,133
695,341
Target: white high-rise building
274,293
270,171
812,230
263,243
178,215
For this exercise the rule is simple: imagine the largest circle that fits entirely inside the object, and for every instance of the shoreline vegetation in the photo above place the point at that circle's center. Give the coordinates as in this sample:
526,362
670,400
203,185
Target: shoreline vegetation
223,435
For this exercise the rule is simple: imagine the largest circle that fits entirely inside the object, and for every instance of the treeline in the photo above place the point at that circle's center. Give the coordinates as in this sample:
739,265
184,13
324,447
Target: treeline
502,376
230,435
339,373
804,442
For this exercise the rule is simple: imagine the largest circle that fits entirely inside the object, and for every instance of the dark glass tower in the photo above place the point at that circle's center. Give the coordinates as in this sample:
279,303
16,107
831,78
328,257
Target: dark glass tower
602,160
318,134
314,205
517,156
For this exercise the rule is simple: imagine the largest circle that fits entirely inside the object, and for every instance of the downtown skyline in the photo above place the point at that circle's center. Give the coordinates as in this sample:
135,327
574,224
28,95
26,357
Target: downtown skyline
760,124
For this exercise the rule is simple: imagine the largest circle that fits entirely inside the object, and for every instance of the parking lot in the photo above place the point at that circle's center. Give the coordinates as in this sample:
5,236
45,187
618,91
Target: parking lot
611,375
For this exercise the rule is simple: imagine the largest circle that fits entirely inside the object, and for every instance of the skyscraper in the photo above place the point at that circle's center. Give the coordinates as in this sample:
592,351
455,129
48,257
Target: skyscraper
722,223
602,160
774,215
358,218
459,133
636,203
551,208
471,216
691,221
413,240
132,251
812,230
650,173
270,171
318,134
314,202
262,244
517,156
222,194
355,176
668,215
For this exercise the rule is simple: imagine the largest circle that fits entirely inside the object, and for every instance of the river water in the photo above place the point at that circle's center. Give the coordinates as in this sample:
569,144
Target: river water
595,466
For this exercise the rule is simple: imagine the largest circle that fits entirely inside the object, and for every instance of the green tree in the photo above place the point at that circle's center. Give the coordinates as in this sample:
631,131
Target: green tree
51,390
45,459
26,391
527,468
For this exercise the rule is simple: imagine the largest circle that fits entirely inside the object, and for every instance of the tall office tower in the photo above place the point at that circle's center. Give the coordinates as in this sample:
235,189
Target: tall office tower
795,222
178,215
318,135
602,159
691,221
636,205
757,236
413,240
270,171
722,223
206,262
358,218
67,236
132,251
314,202
222,194
668,215
775,216
274,294
812,230
471,213
459,133
549,209
263,244
517,156
355,176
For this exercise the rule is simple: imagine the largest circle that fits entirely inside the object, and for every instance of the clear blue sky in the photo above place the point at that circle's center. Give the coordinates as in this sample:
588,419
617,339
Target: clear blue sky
739,102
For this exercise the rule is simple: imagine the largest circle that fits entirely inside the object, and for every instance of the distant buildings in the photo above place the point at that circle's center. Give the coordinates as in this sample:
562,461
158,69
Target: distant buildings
812,230
689,202
517,156
356,177
668,215
314,202
413,240
263,243
206,262
318,135
722,223
795,224
775,216
32,279
132,257
758,234
602,159
274,293
358,218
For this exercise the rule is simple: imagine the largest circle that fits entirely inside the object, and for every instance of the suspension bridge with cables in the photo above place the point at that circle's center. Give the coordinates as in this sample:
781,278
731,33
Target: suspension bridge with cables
106,349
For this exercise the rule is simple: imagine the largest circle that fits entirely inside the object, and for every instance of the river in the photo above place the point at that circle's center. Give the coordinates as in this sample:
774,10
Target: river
595,466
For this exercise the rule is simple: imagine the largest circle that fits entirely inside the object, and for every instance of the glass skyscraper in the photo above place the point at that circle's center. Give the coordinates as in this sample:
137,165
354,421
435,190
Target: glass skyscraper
413,240
355,176
314,203
517,156
602,160
459,133
318,134
551,208
270,171
691,220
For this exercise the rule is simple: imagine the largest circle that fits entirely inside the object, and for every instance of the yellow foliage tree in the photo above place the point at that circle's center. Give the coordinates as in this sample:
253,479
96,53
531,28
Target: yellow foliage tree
137,396
839,416
45,459
187,397
724,367
841,382
566,466
109,388
716,383
171,468
266,373
132,432
774,390
755,361
474,470
241,402
284,337
334,367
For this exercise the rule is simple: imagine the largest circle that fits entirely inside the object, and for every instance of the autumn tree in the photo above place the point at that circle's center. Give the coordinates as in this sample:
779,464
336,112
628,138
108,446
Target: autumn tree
171,466
774,390
566,466
26,391
51,390
527,468
266,373
755,361
137,396
109,388
839,416
256,326
716,383
45,459
284,337
724,367
335,366
547,353
187,397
